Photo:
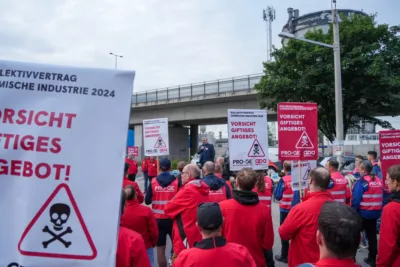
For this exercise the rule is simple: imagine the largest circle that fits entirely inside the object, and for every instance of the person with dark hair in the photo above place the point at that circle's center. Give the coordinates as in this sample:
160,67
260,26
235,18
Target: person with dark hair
141,219
367,201
145,173
358,160
126,182
373,158
219,190
389,238
213,250
133,167
183,209
162,190
264,188
338,236
284,194
246,221
339,185
301,223
131,251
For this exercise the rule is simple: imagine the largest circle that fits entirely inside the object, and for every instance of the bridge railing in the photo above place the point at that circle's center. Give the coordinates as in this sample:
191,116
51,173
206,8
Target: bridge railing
230,85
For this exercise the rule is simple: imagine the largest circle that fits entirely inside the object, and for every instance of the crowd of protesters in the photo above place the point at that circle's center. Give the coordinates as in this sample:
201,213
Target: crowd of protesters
217,220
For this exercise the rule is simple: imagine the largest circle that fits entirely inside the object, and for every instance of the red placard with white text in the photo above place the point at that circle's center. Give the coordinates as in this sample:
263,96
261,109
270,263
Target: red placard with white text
133,150
389,146
298,131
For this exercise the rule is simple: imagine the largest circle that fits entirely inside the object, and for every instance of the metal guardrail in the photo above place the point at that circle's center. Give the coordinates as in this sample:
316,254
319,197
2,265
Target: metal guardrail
230,85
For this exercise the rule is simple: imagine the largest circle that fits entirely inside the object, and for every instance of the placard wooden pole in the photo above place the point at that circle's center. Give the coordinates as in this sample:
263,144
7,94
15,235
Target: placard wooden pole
158,166
300,181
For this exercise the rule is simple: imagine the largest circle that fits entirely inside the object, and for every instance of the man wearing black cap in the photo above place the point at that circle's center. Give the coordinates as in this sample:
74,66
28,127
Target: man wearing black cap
162,189
213,250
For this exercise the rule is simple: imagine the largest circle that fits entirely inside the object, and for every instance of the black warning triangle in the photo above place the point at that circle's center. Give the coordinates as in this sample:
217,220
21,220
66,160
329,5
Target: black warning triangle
256,150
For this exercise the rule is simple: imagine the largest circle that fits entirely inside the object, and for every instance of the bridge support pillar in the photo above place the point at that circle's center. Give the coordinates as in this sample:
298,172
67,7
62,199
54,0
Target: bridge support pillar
194,138
139,140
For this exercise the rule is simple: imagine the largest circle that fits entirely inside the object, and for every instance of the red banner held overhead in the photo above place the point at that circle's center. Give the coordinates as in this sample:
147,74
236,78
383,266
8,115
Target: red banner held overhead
298,131
389,146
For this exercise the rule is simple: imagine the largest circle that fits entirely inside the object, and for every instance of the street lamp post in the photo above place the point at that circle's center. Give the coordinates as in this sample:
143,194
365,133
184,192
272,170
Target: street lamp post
116,58
338,75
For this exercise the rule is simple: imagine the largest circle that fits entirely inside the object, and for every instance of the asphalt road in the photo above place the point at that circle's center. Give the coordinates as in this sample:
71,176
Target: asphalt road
363,253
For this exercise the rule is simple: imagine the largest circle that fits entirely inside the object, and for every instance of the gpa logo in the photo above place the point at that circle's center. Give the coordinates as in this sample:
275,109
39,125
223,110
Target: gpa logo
241,162
163,150
289,153
261,161
309,153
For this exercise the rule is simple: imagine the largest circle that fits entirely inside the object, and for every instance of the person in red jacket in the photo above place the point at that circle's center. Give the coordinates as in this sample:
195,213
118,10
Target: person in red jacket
264,188
126,182
246,221
152,170
301,223
131,251
133,167
140,219
213,250
219,190
339,188
219,172
284,194
389,239
162,190
338,236
183,209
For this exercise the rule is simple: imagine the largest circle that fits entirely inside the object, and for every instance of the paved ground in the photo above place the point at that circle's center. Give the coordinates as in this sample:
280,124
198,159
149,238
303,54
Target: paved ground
277,244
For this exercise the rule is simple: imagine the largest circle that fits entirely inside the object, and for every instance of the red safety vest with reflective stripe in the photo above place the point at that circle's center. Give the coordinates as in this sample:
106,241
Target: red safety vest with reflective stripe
338,191
266,196
161,196
372,198
287,197
217,195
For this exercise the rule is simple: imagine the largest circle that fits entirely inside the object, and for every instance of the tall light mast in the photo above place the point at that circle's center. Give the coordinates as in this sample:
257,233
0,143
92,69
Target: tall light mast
269,16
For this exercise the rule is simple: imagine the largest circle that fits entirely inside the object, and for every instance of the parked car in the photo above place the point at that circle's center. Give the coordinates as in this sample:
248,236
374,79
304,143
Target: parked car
348,166
274,164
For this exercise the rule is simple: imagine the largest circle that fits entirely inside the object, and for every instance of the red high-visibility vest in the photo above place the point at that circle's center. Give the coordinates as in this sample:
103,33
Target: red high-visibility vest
266,196
372,199
338,191
287,197
217,195
161,196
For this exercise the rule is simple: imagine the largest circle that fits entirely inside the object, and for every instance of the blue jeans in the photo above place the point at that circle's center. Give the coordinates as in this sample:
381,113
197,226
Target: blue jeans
364,239
150,254
146,180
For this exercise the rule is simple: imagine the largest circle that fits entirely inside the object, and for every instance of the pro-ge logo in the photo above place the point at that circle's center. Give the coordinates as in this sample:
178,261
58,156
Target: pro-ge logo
168,188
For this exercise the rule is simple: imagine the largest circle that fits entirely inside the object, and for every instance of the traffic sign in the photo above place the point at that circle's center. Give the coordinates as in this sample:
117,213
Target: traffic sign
298,131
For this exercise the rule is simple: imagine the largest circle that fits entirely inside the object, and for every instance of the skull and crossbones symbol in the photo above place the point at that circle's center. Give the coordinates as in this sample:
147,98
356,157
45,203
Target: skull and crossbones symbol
160,142
304,140
256,149
59,214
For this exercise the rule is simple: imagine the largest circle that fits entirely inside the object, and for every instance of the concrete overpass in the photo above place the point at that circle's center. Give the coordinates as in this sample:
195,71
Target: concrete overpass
192,105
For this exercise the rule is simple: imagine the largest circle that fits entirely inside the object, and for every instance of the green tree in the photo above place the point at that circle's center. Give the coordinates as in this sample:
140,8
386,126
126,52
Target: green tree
304,72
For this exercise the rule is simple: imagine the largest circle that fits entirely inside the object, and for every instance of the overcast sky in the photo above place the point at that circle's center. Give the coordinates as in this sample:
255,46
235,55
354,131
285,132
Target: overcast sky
167,42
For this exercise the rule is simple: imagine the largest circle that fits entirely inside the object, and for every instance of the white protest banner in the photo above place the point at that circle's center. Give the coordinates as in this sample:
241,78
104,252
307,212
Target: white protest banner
62,147
155,135
248,139
306,167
